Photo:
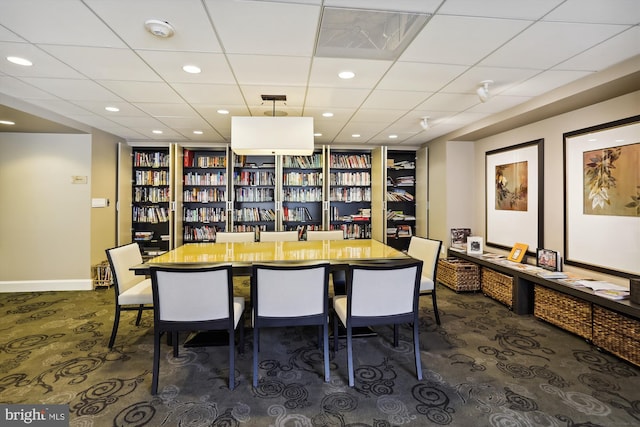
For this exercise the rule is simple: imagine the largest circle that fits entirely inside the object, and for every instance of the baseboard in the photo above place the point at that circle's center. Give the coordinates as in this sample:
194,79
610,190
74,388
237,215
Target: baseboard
46,285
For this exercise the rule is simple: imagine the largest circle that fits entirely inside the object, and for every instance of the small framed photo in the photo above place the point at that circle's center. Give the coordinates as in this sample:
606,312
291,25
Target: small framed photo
474,245
518,252
459,237
548,259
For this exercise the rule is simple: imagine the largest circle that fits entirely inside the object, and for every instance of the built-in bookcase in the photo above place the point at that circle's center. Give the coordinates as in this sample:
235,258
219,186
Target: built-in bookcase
254,193
400,197
151,197
350,193
302,192
204,194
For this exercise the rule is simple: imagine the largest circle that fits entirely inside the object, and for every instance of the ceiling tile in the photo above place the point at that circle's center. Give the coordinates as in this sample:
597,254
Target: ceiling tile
270,70
449,102
214,66
420,77
532,10
324,72
394,99
544,82
253,95
335,97
142,91
205,93
597,11
44,65
73,89
607,53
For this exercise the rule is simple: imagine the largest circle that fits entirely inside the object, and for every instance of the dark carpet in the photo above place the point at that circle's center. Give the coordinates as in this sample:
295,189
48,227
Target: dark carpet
484,366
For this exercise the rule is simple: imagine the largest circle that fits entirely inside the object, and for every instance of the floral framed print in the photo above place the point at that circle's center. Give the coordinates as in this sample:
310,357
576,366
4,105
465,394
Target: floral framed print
514,197
602,197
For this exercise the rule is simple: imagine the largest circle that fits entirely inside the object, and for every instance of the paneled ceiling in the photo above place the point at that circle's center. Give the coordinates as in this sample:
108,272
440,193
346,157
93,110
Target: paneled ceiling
426,60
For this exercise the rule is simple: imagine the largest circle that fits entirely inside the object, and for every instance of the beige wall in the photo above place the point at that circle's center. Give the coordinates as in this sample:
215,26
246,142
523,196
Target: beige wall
551,130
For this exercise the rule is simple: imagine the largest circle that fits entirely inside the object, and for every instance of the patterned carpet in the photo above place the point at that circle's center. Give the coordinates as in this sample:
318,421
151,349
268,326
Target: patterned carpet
484,366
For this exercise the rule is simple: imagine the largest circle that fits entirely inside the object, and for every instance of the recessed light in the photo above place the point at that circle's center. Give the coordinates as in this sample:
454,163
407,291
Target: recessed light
393,136
327,114
619,140
112,109
158,132
7,122
593,140
19,61
198,132
223,111
355,135
192,69
346,75
317,134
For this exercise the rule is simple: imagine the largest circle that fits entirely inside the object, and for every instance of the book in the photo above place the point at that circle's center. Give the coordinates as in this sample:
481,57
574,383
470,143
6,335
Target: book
552,275
614,294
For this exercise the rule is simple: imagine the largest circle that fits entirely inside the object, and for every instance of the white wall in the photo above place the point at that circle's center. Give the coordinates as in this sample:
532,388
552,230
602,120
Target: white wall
44,217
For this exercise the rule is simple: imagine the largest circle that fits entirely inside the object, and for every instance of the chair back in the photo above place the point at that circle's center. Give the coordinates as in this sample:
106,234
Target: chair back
244,236
278,236
192,294
427,250
121,259
290,290
379,290
325,235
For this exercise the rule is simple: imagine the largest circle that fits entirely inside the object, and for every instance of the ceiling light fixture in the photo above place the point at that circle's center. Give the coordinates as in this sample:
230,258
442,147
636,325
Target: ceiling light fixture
157,132
327,114
483,90
424,122
221,111
346,75
191,69
19,61
112,109
198,132
393,136
7,122
355,135
159,28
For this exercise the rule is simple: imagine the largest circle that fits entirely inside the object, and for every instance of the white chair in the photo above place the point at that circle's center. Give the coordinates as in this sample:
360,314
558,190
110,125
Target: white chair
427,250
338,275
195,299
133,292
278,236
290,295
325,235
244,236
379,294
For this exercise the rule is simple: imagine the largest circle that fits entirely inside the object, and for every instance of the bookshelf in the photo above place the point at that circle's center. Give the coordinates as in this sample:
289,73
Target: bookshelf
254,193
350,193
400,198
151,194
204,194
302,195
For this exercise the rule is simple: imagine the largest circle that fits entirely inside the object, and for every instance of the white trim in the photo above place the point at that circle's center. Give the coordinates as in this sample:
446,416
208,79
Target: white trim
46,285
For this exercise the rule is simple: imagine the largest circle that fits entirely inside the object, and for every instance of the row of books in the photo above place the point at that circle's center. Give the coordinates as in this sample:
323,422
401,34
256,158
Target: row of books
204,215
401,181
254,194
254,178
151,159
302,194
398,195
195,178
306,178
254,215
241,228
399,216
350,178
203,161
300,214
354,231
401,164
149,214
148,177
303,162
205,195
350,194
150,195
350,161
199,234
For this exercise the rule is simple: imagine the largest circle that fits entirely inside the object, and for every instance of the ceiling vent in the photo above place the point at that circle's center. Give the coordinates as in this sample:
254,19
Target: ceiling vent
159,28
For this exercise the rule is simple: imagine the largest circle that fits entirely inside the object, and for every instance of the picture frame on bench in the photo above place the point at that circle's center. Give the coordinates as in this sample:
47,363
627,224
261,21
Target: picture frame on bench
548,259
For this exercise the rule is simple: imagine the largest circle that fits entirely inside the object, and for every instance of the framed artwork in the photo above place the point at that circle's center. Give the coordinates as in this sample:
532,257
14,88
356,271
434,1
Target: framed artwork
548,259
459,237
517,252
602,197
514,195
474,245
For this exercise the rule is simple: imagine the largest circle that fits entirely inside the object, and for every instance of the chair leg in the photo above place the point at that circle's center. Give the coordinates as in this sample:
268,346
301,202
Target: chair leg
139,315
396,334
350,355
156,362
320,329
174,338
114,330
326,352
241,338
416,348
435,305
335,334
232,359
256,341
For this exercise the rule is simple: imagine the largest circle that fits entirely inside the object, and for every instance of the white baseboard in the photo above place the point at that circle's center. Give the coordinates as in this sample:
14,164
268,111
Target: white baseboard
46,285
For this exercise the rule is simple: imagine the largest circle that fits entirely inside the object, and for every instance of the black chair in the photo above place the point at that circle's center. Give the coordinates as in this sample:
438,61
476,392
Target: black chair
379,294
195,299
133,292
290,295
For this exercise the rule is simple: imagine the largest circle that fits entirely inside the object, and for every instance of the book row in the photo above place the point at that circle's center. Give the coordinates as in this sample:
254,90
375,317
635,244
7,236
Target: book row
303,162
151,159
150,214
194,178
254,194
254,178
192,160
302,195
350,194
149,177
254,214
205,195
204,215
350,178
298,178
151,195
356,161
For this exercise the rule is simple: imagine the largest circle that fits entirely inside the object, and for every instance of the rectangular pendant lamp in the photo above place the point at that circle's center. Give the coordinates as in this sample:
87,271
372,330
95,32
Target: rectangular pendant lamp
272,135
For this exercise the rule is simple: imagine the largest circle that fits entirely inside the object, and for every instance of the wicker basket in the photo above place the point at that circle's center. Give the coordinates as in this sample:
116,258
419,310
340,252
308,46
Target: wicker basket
567,312
458,274
497,286
102,275
617,333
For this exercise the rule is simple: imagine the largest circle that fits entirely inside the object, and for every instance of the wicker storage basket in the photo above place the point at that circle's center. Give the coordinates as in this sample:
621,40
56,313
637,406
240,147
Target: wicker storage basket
617,333
570,313
458,274
497,286
102,275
